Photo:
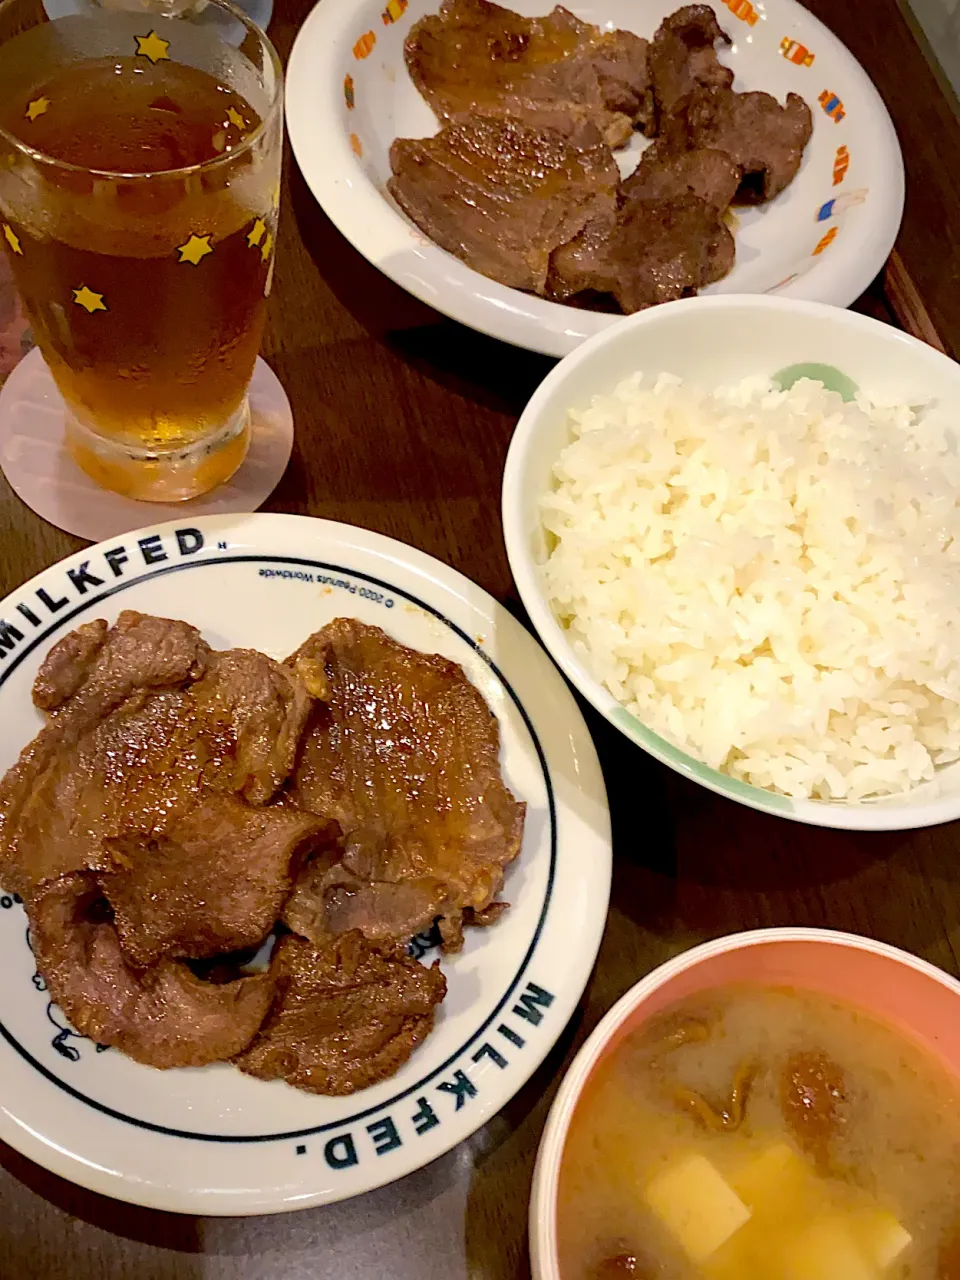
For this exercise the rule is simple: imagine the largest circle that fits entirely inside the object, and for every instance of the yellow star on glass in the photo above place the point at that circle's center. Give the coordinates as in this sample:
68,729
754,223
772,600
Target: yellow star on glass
38,107
89,300
195,250
12,239
256,233
235,118
153,47
267,246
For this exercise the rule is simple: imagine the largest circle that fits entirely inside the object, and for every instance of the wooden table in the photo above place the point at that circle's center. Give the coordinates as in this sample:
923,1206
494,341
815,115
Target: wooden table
403,421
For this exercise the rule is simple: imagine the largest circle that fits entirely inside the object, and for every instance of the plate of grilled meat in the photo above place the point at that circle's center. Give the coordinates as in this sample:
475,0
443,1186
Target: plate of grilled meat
534,174
305,859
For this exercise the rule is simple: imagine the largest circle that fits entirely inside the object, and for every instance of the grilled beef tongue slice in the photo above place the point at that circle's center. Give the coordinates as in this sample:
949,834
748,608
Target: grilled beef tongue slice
144,723
655,251
163,1016
70,661
765,139
682,57
712,175
502,193
216,883
473,54
344,1016
50,799
403,754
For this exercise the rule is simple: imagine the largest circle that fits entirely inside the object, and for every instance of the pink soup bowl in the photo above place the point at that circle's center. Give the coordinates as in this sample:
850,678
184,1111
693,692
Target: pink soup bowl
918,1000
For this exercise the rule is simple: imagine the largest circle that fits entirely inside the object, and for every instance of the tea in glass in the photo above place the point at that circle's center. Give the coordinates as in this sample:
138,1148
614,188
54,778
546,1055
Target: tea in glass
139,186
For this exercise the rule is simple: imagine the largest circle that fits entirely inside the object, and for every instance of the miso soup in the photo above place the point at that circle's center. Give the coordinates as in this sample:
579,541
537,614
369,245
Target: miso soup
763,1134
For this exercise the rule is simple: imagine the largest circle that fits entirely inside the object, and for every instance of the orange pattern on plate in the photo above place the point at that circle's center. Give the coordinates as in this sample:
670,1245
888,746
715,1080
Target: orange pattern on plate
827,240
841,164
743,10
796,53
364,46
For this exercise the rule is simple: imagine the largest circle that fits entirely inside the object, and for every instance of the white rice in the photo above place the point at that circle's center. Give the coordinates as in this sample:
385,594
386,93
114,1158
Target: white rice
769,579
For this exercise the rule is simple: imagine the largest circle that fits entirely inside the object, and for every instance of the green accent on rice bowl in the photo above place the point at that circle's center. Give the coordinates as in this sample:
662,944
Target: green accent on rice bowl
767,579
829,375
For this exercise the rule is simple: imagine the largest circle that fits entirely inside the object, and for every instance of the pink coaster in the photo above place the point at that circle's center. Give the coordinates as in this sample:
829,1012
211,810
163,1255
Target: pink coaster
45,477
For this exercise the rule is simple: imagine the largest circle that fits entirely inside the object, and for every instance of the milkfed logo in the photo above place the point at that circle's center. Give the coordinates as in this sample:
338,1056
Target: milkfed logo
101,570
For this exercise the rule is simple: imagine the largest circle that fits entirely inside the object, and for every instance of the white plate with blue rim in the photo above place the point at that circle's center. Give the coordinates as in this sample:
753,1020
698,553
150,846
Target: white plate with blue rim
211,1140
822,239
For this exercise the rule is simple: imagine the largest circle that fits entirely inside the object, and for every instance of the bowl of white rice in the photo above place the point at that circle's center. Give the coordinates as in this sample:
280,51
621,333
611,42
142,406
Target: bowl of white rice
735,524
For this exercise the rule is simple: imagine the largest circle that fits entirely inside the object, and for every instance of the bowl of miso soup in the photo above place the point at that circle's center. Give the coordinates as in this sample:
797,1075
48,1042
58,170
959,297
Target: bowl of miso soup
776,1105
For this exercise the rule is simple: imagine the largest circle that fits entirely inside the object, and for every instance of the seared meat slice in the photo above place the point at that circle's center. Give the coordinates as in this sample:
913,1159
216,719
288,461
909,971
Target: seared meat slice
404,755
68,664
217,882
656,251
585,263
721,253
140,730
95,667
619,61
600,89
257,710
330,900
682,57
712,175
344,1016
452,927
164,1017
765,139
49,808
501,193
474,54
666,249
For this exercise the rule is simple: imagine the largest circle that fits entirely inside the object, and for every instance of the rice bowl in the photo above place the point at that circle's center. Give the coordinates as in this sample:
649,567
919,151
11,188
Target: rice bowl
756,585
769,578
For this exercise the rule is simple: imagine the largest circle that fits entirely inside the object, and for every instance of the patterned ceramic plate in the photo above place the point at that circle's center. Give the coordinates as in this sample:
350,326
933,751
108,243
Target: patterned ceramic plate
212,1141
824,238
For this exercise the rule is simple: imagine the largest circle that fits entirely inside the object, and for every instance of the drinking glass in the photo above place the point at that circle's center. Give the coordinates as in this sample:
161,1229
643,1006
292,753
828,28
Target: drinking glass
140,155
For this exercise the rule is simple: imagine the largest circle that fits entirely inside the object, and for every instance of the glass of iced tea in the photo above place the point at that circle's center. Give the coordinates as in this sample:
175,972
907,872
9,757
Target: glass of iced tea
140,150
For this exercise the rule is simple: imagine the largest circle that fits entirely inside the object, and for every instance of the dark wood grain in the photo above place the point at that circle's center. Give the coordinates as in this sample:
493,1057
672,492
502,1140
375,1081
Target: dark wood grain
905,301
403,421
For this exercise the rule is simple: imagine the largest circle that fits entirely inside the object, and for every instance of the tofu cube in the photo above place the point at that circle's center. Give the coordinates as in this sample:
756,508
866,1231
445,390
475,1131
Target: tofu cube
777,1181
881,1236
697,1206
827,1250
